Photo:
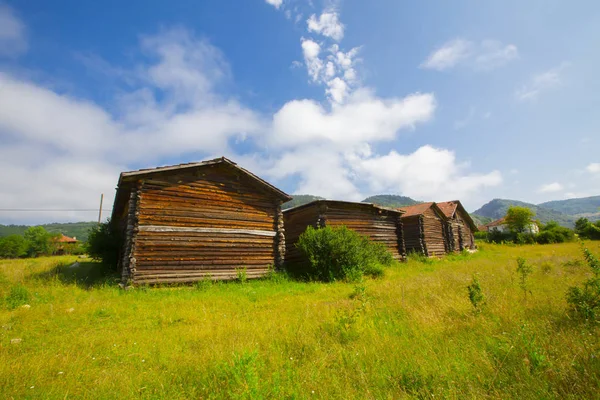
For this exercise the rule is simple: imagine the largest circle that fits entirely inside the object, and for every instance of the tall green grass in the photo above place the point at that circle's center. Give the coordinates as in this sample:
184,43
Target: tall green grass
413,333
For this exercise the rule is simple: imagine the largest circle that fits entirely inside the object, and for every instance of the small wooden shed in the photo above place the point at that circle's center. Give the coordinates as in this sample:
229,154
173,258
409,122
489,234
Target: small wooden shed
425,229
461,226
185,222
381,224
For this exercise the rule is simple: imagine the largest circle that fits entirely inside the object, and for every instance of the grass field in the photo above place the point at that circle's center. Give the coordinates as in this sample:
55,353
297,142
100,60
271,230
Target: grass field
413,333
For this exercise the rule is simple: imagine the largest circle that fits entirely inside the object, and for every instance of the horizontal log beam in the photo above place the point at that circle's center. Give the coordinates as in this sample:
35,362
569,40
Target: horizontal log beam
160,228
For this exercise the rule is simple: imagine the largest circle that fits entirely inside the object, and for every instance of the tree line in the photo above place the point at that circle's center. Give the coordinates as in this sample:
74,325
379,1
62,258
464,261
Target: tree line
36,241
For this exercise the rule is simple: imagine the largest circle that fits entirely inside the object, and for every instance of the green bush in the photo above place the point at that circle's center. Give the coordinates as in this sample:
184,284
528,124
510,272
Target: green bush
13,246
524,238
338,253
554,233
39,241
476,296
585,300
481,235
103,245
495,236
18,296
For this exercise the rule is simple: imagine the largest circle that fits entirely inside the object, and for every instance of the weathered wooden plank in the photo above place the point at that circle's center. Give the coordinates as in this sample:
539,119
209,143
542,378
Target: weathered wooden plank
154,228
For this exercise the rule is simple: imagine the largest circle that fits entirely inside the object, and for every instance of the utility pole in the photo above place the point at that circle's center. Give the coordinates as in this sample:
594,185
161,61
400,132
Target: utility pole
100,211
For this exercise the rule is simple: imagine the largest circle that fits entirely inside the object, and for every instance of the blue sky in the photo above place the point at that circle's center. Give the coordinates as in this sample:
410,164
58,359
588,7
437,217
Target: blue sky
343,99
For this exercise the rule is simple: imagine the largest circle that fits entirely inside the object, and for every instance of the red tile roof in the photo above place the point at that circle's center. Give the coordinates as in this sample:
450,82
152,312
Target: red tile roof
66,239
448,207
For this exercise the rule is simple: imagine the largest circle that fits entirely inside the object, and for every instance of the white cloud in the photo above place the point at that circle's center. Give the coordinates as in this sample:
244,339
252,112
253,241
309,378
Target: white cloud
275,3
314,65
540,83
364,117
447,56
551,187
328,24
593,168
487,55
12,33
494,54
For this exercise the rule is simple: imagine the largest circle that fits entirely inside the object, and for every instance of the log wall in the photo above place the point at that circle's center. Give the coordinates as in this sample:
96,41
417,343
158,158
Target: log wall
434,233
413,239
206,223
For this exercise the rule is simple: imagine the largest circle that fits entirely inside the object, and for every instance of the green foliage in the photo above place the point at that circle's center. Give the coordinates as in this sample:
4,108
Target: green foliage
587,230
242,275
390,200
524,270
476,296
103,244
585,300
480,235
18,296
340,253
524,238
38,241
13,246
518,218
552,232
72,229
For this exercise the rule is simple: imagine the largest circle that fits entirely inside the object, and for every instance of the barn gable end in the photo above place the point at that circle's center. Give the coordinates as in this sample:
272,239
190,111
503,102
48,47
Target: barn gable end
193,221
461,225
425,229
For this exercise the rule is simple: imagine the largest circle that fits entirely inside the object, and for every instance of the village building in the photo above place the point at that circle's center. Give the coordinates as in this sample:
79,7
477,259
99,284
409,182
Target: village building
425,228
501,226
460,226
204,220
383,225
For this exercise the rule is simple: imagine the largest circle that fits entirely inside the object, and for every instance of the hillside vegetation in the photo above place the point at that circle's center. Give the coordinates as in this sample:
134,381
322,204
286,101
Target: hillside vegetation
497,208
71,229
390,200
585,205
411,334
300,199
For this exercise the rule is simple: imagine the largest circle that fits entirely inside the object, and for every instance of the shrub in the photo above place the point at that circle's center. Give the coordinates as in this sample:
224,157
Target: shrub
524,270
495,236
554,233
338,253
585,300
13,246
476,296
103,244
481,235
524,238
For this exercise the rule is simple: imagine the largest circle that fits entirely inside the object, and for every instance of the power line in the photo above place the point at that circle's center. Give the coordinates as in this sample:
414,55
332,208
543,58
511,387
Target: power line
54,209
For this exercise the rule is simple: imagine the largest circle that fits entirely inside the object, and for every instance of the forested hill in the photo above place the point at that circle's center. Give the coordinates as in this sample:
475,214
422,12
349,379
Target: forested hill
390,200
79,230
299,199
497,208
581,206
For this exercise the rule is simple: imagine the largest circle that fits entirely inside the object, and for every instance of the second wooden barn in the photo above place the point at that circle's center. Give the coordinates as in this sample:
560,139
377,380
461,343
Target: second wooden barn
188,222
380,224
425,229
461,225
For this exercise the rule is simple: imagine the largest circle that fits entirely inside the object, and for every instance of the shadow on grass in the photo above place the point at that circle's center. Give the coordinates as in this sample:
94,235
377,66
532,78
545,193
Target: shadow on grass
85,274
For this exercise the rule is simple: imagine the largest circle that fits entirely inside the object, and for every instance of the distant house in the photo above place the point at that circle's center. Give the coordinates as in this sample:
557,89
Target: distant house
425,229
500,225
66,239
203,220
460,226
64,243
381,224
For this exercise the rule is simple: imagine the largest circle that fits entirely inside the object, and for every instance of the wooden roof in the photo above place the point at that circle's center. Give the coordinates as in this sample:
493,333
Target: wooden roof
66,239
126,179
449,209
341,202
418,209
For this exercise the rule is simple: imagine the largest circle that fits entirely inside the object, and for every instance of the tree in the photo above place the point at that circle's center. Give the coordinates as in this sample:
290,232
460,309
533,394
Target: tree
518,218
13,246
581,224
103,244
38,241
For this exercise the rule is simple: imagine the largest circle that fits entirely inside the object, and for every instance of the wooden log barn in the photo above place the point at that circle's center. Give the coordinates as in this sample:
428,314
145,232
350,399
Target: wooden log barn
185,222
461,225
381,224
425,229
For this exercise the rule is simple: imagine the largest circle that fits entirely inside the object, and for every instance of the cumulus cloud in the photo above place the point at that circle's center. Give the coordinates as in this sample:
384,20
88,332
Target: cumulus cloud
593,168
551,188
12,33
540,83
487,55
327,24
